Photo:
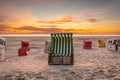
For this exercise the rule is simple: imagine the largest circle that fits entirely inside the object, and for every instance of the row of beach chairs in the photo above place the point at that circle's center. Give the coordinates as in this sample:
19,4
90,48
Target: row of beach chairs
60,48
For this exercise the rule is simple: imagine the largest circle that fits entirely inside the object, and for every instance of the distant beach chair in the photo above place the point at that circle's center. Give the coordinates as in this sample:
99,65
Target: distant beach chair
112,45
25,44
47,45
2,48
118,43
101,43
25,47
61,49
87,44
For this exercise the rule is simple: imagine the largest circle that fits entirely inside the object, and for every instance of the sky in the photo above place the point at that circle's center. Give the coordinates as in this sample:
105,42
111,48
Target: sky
59,16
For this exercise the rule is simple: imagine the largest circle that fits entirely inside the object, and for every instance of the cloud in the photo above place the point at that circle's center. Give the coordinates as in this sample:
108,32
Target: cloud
5,29
92,20
87,12
27,28
2,18
34,2
33,29
11,13
46,26
65,19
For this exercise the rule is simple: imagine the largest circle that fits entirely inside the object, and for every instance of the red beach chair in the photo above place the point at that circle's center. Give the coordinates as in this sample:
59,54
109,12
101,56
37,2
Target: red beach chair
87,44
22,51
25,47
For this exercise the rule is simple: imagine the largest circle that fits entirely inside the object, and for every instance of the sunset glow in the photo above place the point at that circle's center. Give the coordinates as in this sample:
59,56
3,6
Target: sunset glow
49,16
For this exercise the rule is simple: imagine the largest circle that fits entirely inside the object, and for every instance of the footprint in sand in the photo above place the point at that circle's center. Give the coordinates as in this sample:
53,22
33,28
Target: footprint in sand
41,78
69,78
21,77
99,72
72,73
78,77
110,76
8,77
116,78
30,75
64,70
115,71
90,78
52,73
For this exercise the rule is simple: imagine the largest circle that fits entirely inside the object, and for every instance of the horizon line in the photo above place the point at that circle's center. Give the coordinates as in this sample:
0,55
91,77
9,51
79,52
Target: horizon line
44,35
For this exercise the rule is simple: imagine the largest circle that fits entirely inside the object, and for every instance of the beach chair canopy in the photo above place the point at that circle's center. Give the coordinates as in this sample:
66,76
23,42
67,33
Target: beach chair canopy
101,41
25,43
61,44
87,42
111,41
2,41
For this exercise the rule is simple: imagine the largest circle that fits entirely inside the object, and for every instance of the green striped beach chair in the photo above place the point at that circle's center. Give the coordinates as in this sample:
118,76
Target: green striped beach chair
118,43
61,49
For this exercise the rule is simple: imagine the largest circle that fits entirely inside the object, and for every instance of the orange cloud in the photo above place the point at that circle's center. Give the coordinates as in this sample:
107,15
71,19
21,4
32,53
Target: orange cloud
15,15
3,18
49,29
5,29
92,20
65,19
32,29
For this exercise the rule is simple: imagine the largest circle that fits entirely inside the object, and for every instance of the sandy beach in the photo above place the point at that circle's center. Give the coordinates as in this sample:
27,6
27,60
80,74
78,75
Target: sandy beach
95,64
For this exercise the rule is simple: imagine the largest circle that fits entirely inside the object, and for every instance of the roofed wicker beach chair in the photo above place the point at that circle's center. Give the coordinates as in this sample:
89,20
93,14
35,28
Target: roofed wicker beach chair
118,43
87,44
101,43
112,45
25,47
61,49
2,48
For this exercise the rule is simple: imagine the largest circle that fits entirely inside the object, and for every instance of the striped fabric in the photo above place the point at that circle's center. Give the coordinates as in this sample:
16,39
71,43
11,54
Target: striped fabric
118,42
61,44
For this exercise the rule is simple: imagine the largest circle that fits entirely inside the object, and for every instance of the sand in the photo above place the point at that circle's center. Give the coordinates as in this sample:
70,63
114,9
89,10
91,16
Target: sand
94,64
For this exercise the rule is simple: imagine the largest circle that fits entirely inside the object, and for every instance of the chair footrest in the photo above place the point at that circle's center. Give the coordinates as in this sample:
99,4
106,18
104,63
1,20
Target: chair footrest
60,60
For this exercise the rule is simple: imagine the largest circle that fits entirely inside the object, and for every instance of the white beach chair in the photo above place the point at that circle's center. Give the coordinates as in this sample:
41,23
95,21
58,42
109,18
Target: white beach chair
2,48
112,45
